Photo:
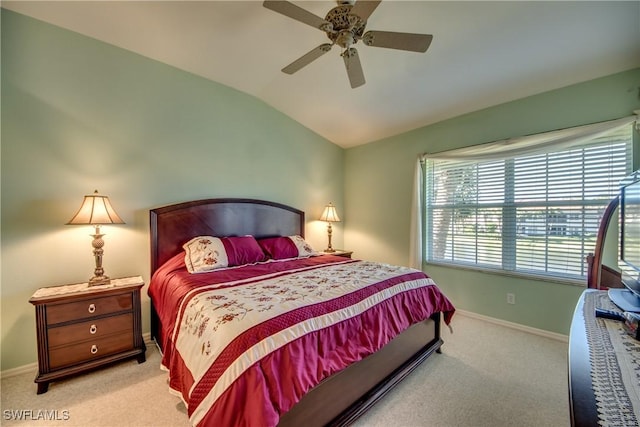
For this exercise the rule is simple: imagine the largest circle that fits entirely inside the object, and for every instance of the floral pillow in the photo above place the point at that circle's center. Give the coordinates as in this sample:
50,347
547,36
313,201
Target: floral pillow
304,248
286,247
206,253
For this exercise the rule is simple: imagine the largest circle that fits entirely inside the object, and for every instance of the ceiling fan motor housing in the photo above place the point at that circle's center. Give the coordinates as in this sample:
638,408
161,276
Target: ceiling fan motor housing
346,29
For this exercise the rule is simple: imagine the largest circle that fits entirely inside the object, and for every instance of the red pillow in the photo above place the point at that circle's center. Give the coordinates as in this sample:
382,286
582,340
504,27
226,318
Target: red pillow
279,247
243,250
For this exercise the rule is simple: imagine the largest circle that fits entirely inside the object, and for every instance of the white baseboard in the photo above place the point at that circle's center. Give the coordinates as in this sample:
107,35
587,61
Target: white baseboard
33,367
518,326
146,336
24,369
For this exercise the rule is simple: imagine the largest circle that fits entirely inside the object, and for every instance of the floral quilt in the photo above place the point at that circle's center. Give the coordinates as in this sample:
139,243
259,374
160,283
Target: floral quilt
244,345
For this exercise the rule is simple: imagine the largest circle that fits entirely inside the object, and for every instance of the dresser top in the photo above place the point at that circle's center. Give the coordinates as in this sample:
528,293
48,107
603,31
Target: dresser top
84,288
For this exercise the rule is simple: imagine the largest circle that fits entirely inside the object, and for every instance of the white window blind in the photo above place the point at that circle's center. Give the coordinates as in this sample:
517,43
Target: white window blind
535,211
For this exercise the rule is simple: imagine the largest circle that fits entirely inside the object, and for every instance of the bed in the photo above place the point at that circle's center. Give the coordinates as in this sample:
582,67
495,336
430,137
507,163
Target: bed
262,379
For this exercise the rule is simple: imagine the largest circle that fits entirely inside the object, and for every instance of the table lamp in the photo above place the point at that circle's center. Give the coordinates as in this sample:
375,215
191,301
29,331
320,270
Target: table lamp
329,215
96,210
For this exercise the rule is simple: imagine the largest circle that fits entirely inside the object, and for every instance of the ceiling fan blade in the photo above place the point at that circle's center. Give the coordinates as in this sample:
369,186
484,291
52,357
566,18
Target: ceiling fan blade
295,12
402,41
364,8
354,68
307,58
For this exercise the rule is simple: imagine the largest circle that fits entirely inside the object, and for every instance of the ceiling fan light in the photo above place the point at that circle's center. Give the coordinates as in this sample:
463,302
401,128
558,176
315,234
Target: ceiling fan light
344,39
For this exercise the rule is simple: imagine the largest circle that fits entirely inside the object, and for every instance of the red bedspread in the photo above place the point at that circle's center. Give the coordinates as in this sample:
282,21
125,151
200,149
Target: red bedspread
243,345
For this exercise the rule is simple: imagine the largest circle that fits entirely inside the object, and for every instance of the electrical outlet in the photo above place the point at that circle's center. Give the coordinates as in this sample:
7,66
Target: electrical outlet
511,298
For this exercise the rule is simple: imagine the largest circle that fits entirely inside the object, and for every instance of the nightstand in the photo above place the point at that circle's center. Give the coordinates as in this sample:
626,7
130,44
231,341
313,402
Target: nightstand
339,252
82,327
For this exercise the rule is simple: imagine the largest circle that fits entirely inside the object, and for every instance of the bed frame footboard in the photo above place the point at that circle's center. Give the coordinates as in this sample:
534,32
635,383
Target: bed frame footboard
345,396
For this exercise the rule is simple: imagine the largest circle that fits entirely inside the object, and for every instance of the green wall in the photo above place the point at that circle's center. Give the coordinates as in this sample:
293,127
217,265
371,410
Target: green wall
79,115
379,179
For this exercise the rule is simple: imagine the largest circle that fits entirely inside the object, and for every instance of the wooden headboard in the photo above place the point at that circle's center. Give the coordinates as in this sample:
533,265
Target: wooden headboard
172,226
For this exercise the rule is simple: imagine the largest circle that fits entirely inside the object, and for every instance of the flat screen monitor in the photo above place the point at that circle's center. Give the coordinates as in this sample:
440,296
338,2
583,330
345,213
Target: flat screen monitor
628,299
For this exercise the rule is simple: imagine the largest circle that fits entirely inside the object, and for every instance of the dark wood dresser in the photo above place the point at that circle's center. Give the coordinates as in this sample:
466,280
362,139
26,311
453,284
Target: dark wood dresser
598,348
81,327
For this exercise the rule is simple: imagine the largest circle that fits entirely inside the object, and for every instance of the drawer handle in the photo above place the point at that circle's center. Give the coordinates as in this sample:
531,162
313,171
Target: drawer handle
92,308
93,329
94,349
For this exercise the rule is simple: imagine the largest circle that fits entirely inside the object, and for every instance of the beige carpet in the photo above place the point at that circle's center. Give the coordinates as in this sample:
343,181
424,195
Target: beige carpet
487,375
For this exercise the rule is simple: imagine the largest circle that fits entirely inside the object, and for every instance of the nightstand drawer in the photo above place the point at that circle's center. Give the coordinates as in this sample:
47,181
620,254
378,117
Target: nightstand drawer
91,349
89,330
87,308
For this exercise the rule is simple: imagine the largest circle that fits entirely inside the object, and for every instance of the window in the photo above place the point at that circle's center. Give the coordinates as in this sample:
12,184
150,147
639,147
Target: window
531,213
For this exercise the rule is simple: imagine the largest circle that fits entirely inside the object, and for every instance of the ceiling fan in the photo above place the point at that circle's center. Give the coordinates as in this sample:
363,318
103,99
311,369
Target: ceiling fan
344,25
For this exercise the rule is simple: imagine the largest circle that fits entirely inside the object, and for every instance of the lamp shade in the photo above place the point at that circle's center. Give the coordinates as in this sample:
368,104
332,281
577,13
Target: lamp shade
329,214
96,209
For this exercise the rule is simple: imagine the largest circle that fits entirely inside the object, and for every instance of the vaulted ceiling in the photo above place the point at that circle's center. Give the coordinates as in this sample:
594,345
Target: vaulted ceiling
482,54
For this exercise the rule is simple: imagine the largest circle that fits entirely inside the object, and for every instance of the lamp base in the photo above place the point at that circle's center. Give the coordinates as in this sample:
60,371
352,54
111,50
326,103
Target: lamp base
99,280
329,250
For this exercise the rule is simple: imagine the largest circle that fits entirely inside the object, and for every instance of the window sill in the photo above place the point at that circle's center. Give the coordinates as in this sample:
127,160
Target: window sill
519,275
